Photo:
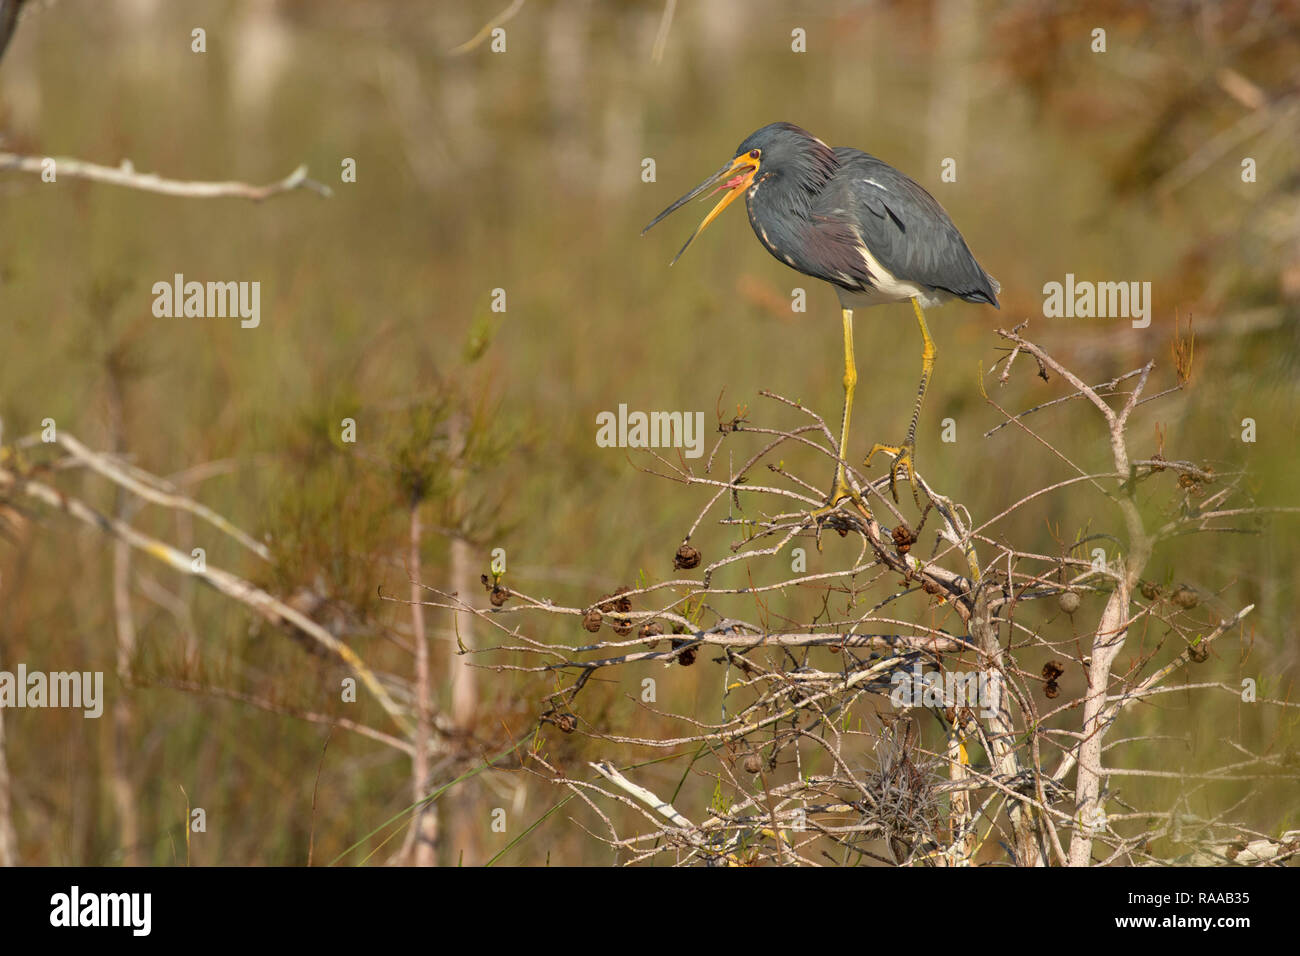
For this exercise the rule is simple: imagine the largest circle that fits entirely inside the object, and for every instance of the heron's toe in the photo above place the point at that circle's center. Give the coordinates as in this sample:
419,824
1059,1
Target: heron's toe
841,492
904,460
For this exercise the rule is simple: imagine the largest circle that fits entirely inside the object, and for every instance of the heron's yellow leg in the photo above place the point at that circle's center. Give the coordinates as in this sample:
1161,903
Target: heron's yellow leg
905,454
842,489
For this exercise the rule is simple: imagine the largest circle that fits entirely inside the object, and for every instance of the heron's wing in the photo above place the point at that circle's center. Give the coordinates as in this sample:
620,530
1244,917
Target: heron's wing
903,226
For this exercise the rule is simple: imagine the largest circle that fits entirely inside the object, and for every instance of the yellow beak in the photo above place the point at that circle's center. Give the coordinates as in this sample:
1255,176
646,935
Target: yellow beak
735,177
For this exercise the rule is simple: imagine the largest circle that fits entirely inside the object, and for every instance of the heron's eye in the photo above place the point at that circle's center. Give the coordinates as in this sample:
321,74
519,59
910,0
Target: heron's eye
753,154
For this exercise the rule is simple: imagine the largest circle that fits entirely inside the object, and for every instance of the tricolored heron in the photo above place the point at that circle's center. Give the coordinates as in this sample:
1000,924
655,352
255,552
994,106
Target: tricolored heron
860,224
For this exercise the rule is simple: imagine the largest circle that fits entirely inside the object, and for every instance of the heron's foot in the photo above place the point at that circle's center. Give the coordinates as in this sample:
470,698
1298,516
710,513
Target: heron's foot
904,460
841,492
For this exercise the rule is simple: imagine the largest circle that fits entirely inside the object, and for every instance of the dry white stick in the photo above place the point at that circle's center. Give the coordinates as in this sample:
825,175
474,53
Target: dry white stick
1148,686
231,585
1107,644
661,35
159,496
125,175
963,843
424,825
666,810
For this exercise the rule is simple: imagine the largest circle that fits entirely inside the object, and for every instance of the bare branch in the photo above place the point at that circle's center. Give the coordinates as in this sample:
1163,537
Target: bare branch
126,176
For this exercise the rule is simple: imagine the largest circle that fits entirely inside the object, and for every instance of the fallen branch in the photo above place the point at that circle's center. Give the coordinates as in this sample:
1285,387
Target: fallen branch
126,176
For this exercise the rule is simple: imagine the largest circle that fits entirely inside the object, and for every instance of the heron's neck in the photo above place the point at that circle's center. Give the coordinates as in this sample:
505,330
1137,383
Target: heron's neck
780,204
790,191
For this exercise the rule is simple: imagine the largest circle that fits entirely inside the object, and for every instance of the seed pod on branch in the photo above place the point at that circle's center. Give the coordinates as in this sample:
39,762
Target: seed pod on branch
686,558
650,631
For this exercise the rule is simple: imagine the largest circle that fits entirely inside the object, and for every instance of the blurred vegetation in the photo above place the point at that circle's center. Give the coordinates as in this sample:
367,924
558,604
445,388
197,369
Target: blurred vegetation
521,171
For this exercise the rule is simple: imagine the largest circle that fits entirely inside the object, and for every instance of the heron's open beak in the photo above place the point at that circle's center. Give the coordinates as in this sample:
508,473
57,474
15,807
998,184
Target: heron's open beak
734,177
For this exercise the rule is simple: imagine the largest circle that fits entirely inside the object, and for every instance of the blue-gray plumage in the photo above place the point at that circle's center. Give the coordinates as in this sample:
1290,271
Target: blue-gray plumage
829,212
875,234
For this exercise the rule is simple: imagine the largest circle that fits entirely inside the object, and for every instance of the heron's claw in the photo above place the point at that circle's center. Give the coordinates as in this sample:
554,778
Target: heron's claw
841,492
904,460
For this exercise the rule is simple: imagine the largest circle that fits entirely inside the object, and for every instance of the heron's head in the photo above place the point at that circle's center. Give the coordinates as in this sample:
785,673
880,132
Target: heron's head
778,150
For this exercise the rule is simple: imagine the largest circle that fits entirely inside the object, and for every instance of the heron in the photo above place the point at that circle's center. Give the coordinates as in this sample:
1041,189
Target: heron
876,235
